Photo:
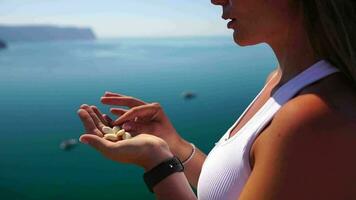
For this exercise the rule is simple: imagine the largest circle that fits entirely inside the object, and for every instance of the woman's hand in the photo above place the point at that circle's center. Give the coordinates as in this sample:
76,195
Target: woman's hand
144,150
153,121
145,117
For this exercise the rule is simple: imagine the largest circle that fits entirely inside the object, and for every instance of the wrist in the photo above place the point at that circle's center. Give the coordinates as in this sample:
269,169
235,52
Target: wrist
182,149
161,171
157,154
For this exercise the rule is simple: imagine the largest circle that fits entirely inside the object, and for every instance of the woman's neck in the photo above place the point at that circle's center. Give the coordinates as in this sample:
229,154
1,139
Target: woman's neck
293,51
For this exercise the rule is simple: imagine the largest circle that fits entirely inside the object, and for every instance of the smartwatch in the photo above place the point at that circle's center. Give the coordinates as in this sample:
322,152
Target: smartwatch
161,171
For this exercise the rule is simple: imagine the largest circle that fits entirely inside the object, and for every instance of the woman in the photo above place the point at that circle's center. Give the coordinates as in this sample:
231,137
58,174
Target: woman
296,140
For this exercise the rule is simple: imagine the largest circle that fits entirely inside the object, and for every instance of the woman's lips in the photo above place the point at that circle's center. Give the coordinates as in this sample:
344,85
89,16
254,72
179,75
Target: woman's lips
231,24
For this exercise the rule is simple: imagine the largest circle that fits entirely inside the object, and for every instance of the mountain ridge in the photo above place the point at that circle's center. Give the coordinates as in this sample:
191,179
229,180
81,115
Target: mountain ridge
38,33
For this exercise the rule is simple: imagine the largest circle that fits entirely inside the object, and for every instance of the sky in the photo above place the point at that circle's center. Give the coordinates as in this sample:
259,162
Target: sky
120,18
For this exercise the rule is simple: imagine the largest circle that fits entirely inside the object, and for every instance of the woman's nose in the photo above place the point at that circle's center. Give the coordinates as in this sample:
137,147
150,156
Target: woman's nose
219,2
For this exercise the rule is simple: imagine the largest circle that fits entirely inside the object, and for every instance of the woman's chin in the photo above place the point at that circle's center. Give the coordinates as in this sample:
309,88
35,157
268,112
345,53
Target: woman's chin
240,40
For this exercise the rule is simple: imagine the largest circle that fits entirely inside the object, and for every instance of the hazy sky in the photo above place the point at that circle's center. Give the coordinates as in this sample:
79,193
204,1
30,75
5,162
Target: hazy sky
115,18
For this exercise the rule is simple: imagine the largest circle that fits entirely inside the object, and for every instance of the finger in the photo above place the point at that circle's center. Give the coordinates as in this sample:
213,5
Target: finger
98,143
88,123
100,115
122,101
111,94
118,111
149,111
108,119
94,117
136,128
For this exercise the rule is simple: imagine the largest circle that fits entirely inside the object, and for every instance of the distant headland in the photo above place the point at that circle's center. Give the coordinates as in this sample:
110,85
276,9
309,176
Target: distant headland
39,33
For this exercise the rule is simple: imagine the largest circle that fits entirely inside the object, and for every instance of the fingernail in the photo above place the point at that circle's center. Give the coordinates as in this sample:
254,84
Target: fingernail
83,141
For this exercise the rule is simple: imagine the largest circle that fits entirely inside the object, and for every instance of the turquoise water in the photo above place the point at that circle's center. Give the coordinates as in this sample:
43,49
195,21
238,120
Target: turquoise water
43,84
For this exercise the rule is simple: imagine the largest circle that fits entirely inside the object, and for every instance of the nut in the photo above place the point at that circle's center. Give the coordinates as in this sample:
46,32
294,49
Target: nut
126,136
107,130
116,129
120,132
111,137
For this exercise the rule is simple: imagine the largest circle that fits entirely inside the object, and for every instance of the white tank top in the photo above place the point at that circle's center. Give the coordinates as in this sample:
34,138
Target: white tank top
227,167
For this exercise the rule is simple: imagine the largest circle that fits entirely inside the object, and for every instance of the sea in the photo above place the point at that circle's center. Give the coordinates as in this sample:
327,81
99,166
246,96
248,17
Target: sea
43,84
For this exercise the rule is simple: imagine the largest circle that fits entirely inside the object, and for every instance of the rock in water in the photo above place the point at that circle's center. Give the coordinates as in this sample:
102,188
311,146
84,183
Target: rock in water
188,95
67,145
2,44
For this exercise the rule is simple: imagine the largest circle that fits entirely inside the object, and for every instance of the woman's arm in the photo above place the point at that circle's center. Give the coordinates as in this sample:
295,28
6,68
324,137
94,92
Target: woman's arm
144,150
193,167
178,146
150,118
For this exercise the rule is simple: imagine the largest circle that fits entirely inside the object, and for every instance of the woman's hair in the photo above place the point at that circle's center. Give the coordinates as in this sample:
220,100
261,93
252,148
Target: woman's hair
331,28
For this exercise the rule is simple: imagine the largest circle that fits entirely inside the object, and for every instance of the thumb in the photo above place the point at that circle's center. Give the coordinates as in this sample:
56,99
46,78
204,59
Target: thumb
95,141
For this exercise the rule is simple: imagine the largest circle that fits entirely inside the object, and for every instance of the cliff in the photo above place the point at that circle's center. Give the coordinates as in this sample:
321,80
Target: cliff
45,33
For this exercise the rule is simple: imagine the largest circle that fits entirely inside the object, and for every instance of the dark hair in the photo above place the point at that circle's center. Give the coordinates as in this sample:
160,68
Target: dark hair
331,28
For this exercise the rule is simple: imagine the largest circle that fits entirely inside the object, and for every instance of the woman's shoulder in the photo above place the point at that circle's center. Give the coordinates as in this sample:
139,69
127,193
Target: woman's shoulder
309,145
322,116
330,102
314,114
333,96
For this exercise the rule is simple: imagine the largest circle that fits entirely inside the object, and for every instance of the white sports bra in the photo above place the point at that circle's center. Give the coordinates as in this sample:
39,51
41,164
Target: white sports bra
227,167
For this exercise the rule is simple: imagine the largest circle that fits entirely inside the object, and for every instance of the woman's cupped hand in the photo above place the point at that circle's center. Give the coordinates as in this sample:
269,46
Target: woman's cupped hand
145,150
154,134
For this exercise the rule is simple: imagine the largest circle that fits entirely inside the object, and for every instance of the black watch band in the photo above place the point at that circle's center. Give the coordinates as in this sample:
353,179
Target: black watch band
161,171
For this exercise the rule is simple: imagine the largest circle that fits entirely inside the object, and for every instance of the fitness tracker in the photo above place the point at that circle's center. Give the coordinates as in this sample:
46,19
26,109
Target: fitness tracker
161,171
